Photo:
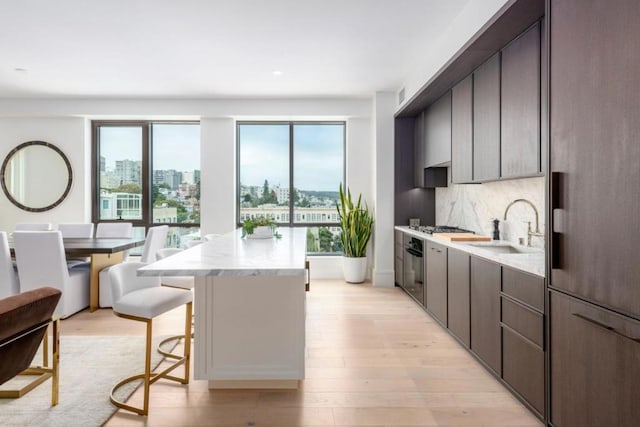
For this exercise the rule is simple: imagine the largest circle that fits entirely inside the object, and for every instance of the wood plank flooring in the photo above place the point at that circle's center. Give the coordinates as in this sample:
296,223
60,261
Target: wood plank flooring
374,358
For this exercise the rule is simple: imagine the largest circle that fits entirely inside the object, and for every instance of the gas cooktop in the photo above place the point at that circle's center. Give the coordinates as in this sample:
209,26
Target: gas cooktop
430,229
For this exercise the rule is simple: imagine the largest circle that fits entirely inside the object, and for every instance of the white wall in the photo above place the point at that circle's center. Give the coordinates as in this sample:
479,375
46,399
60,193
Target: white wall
439,51
383,271
68,134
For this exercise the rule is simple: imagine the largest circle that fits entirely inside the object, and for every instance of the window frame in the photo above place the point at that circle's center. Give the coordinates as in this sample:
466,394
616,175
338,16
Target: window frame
146,174
291,124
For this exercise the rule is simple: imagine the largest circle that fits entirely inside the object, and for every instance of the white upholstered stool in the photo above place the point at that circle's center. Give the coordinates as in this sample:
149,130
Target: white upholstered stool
143,298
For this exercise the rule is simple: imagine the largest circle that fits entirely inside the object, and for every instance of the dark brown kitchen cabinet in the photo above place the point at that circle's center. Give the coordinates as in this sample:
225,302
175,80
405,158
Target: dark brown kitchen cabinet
523,368
520,106
595,151
458,304
524,287
436,281
437,131
485,312
486,120
399,257
462,131
595,365
418,151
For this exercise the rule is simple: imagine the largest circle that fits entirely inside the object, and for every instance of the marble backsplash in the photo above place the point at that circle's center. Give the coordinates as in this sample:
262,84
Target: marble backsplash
474,206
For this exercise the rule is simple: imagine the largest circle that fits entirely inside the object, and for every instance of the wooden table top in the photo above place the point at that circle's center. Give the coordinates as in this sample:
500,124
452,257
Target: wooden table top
86,247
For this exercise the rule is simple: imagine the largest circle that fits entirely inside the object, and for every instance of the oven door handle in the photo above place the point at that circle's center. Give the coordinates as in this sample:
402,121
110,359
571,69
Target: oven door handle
414,252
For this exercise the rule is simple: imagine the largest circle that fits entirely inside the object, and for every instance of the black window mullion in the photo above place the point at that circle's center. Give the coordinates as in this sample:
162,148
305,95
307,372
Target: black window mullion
291,188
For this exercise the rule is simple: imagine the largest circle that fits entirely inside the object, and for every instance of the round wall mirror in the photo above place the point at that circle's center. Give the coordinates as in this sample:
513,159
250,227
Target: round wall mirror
36,176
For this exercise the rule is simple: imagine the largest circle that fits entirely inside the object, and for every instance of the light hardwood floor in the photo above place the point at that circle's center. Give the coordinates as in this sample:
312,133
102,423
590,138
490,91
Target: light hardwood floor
374,358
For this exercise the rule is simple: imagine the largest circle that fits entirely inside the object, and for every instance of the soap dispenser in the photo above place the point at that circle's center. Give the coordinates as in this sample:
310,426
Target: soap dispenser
496,229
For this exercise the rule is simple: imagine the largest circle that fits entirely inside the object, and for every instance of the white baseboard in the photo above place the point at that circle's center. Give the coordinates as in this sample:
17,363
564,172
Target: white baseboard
384,278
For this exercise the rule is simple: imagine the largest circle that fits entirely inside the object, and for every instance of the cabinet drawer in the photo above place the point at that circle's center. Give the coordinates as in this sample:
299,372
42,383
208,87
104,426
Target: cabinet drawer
524,287
523,368
528,323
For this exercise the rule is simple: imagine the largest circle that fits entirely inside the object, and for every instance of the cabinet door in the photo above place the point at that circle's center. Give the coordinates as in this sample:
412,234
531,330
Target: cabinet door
436,281
595,145
462,131
458,304
438,132
486,120
595,365
520,106
485,312
418,151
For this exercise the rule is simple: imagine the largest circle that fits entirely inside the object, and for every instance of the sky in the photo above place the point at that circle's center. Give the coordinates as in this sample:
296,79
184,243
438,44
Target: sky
318,155
175,146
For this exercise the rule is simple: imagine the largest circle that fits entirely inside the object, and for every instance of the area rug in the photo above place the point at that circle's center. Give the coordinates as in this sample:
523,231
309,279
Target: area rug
89,368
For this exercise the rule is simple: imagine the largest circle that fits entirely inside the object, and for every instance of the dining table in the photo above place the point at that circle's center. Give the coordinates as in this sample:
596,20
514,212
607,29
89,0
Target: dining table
102,253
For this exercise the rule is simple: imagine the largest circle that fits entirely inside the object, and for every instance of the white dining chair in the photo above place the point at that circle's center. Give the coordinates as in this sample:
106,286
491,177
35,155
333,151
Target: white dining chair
156,239
191,243
76,231
9,284
115,230
26,226
143,298
41,262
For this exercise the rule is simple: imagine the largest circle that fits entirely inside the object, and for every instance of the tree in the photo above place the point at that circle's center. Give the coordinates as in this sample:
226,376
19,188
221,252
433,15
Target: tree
325,238
128,188
337,244
304,203
312,245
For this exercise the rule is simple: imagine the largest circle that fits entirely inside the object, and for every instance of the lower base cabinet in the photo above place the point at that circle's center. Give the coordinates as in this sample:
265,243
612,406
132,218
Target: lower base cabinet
595,365
485,312
458,295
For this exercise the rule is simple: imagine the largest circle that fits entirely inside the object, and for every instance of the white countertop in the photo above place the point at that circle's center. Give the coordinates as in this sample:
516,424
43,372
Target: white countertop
231,255
532,262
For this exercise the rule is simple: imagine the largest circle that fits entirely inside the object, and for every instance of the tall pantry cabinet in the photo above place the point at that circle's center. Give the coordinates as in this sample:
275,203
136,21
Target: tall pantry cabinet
595,212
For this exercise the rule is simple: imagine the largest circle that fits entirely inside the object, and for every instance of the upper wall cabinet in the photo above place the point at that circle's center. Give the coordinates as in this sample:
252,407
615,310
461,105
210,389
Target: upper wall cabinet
520,106
462,131
486,120
437,132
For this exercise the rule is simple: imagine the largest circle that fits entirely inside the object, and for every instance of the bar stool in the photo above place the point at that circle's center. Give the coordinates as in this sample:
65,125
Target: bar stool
143,298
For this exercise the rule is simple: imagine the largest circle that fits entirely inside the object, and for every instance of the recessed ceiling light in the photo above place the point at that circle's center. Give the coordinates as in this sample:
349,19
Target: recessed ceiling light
276,72
20,70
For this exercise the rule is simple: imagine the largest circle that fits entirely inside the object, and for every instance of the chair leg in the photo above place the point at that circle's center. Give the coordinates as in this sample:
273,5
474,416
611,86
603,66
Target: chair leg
44,372
147,368
187,341
55,380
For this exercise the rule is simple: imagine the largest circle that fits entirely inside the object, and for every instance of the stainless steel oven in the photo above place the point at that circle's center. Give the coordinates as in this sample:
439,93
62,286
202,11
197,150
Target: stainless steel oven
414,268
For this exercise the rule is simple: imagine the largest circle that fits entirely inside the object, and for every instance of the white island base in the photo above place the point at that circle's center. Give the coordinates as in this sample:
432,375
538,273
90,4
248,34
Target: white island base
250,331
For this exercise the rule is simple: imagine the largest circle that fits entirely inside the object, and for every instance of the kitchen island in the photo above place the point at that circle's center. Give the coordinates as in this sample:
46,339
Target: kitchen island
249,308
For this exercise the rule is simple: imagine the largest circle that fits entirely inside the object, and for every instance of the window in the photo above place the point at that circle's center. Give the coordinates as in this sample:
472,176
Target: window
291,172
148,173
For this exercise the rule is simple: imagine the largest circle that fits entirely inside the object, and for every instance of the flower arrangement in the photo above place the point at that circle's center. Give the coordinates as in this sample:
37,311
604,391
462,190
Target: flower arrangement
250,225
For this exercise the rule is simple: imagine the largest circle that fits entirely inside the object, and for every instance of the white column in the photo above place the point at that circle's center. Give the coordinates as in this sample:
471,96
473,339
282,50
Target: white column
217,175
383,121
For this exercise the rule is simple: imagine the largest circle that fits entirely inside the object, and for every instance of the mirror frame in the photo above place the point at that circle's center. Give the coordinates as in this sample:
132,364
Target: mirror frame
8,193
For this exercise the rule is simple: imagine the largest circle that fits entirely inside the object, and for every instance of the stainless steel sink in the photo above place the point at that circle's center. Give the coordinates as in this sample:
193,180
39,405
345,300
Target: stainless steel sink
506,248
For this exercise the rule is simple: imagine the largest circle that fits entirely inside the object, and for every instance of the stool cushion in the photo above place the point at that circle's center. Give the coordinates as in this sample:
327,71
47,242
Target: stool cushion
151,302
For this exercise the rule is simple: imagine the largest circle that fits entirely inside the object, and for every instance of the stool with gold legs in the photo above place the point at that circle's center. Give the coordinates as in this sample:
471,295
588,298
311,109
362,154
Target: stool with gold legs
142,299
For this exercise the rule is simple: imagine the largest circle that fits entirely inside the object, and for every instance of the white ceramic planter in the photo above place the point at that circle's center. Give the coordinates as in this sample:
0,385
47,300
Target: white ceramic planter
354,269
261,232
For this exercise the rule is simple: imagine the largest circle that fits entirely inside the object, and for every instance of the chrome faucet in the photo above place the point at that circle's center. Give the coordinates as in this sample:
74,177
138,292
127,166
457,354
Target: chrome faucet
529,232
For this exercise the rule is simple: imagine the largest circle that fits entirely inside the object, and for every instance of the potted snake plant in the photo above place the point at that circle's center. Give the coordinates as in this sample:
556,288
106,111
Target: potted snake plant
356,223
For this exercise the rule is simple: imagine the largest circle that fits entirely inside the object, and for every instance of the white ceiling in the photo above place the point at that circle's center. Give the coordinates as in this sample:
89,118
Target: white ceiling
203,49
